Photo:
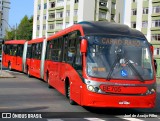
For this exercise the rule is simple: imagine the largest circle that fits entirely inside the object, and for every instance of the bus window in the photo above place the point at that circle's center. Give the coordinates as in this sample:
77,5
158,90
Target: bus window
19,50
72,48
49,49
29,54
4,49
109,57
71,51
55,50
13,50
33,50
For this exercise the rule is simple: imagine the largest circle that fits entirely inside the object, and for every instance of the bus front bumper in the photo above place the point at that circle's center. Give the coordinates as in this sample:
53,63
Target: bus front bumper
118,101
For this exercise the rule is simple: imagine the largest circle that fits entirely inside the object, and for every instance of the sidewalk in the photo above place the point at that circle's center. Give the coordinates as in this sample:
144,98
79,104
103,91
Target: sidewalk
5,74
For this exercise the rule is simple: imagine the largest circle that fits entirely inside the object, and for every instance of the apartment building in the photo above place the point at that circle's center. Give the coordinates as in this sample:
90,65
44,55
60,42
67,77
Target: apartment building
4,14
51,16
144,15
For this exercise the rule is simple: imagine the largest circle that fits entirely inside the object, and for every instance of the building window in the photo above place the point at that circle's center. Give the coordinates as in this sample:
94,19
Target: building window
51,26
59,14
45,5
44,17
39,7
133,24
75,12
113,5
156,9
145,10
103,3
67,24
59,26
157,51
38,27
156,23
134,12
155,37
38,17
76,1
144,24
67,13
52,15
60,1
112,16
102,15
44,27
52,4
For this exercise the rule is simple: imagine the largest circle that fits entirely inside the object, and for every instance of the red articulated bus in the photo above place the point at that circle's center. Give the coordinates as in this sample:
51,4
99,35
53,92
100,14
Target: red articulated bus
96,64
14,54
35,57
101,64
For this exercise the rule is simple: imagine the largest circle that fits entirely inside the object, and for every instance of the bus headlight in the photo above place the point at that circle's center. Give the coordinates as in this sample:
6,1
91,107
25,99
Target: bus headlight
92,88
150,91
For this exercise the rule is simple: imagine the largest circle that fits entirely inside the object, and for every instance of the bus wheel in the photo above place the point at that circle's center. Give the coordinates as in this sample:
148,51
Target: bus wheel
28,73
9,66
68,95
49,86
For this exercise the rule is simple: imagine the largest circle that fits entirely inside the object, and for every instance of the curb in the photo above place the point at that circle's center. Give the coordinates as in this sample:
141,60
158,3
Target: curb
4,74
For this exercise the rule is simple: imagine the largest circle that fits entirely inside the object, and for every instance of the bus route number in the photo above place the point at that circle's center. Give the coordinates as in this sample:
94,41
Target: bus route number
113,89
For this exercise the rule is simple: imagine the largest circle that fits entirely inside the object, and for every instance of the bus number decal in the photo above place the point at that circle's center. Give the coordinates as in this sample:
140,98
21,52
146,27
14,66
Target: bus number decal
114,89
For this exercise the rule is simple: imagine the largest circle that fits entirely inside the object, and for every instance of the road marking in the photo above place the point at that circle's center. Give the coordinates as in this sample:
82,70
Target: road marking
54,120
94,119
132,119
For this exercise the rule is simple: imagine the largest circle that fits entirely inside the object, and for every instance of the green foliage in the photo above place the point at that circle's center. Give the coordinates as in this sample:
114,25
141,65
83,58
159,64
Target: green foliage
23,31
10,34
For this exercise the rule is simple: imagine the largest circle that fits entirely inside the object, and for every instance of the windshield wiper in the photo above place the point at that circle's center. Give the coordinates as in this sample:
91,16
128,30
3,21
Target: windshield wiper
112,68
129,64
134,69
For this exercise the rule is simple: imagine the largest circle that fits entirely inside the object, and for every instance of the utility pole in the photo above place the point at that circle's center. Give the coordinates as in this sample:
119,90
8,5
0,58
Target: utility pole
15,36
2,56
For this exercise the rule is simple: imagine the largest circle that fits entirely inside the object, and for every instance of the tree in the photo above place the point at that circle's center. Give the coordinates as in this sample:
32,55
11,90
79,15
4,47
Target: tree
10,34
23,31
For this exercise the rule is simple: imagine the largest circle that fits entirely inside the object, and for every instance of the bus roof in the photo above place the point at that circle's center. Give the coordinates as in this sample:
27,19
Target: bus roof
15,42
38,40
100,27
104,27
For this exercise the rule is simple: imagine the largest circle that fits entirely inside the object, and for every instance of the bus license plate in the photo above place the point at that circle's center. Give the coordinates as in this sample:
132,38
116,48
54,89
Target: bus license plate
123,89
112,89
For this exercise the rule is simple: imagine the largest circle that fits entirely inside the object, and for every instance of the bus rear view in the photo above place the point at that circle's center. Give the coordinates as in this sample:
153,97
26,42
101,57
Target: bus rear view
119,68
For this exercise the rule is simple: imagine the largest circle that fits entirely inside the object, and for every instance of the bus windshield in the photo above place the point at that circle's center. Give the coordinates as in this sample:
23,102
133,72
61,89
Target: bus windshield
119,57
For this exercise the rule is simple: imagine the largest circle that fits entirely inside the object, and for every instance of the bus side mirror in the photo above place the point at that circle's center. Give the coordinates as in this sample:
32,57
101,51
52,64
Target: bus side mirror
84,44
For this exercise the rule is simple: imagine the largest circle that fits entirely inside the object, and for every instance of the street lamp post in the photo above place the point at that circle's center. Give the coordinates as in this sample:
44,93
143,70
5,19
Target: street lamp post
2,56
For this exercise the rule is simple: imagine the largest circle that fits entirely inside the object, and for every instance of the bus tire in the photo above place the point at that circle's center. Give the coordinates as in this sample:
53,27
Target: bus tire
68,95
9,66
28,74
49,86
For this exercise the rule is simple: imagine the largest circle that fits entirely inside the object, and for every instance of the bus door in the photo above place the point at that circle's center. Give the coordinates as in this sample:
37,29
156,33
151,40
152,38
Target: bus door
72,56
13,58
52,64
32,66
19,57
62,48
5,54
36,60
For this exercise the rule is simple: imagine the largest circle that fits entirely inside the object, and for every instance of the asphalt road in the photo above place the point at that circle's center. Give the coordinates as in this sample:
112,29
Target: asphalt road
30,95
